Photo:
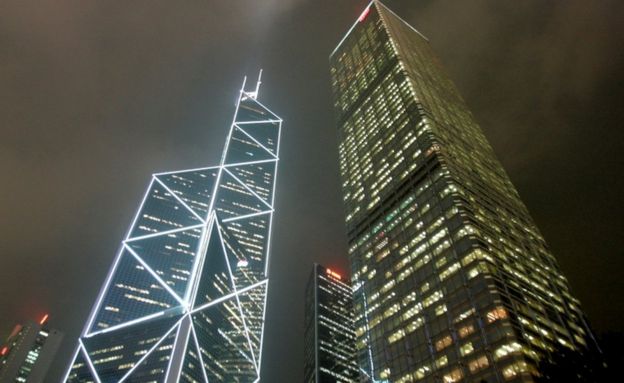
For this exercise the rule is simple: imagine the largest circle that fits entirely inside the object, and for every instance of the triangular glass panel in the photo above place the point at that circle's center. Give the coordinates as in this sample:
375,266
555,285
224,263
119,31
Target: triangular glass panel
252,233
223,343
80,371
153,368
194,187
266,133
241,148
171,256
257,177
252,304
215,280
114,353
192,368
132,293
161,212
251,110
234,200
247,267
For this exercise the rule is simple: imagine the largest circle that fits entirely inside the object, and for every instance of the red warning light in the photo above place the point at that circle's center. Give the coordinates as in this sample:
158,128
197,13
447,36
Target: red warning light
364,14
4,351
44,319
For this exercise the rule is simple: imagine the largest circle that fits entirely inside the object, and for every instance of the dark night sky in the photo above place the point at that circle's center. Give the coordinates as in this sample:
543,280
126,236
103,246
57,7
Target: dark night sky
97,95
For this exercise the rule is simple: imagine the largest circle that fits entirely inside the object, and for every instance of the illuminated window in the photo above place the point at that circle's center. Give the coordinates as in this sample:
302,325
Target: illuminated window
478,364
443,343
496,314
453,376
465,331
466,349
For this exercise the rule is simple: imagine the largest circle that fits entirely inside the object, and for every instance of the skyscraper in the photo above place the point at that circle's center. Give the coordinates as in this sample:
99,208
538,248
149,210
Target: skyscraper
28,352
452,279
185,298
329,332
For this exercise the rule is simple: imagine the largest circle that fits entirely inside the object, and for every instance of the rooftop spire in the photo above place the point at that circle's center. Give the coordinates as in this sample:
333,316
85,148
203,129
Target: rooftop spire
254,94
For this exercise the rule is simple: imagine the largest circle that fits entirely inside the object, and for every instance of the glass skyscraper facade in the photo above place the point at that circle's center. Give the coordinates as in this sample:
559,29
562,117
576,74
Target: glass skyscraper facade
185,298
330,355
28,352
452,280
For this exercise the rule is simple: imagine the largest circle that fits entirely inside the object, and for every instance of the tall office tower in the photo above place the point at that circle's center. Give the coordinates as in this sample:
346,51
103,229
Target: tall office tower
452,279
330,355
185,298
28,352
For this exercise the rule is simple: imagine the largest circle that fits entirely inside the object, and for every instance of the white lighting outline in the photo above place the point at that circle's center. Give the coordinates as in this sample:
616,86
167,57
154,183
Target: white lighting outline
240,308
165,233
185,171
85,355
175,343
199,352
228,296
200,260
125,324
236,164
259,122
240,217
248,188
199,264
156,276
179,200
267,252
256,141
138,363
71,366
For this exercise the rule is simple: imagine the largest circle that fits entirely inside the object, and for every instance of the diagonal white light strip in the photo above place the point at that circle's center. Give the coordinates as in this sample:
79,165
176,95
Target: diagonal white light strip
229,137
85,355
266,293
249,189
228,296
267,252
256,141
185,171
240,309
230,341
173,349
267,109
201,259
163,233
233,164
185,348
156,276
154,347
103,292
140,210
179,199
246,216
268,248
71,365
259,122
198,349
104,288
125,324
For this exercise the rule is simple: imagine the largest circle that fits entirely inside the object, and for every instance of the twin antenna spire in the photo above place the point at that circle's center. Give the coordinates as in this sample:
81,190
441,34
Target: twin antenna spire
253,94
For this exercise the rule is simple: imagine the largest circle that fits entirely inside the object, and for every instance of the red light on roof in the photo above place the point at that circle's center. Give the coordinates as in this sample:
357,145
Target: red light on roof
4,351
364,14
44,319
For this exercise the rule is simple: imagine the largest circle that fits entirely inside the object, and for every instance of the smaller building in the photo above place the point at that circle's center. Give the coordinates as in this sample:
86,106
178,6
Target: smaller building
28,352
330,354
